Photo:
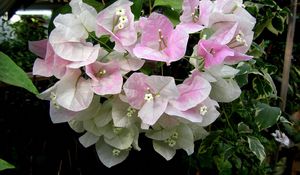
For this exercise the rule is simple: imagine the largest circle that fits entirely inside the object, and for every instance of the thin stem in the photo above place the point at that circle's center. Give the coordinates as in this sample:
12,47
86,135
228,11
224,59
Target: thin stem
150,7
191,57
102,43
179,79
227,119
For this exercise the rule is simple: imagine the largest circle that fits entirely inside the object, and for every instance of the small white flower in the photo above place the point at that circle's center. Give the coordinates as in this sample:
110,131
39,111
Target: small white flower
203,110
171,143
120,26
174,135
117,130
116,152
120,11
148,97
123,19
130,111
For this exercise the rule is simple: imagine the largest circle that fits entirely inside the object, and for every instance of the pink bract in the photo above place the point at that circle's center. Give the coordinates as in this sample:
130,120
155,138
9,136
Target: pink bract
213,52
52,64
195,16
108,21
150,94
68,41
192,91
194,114
106,77
159,41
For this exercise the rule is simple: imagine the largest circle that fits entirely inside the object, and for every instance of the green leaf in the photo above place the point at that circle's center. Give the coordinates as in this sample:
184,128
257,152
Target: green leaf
97,5
252,8
278,23
257,148
262,88
266,116
243,128
175,4
5,165
242,80
260,26
136,8
173,15
269,79
257,50
12,74
223,165
272,29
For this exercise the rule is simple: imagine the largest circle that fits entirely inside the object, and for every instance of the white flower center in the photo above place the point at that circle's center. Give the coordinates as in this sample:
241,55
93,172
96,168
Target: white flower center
120,26
130,111
203,110
148,97
116,152
174,135
53,98
171,141
123,19
120,11
117,130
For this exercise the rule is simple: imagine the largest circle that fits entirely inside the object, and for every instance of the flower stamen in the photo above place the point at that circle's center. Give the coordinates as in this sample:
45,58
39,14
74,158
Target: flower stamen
120,11
116,152
203,110
101,73
195,15
161,40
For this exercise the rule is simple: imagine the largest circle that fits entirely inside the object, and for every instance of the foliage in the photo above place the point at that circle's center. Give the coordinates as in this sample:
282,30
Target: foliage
12,74
269,15
15,42
5,165
239,142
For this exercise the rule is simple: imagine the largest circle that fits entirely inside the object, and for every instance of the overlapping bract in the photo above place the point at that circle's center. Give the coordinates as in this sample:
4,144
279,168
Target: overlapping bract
99,95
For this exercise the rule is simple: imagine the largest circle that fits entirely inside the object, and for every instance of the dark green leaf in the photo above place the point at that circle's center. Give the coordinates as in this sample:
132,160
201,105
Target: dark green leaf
243,128
97,5
12,74
278,23
260,26
257,50
252,8
262,88
136,8
5,165
173,15
257,148
223,165
242,80
266,116
175,4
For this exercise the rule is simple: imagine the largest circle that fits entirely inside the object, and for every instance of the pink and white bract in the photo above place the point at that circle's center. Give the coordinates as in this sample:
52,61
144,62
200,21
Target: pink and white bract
112,93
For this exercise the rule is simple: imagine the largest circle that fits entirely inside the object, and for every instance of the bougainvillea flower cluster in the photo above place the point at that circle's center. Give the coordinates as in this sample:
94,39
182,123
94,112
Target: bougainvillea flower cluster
103,93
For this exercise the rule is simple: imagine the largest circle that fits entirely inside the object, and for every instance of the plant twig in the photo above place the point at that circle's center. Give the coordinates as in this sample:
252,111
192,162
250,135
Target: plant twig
288,55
